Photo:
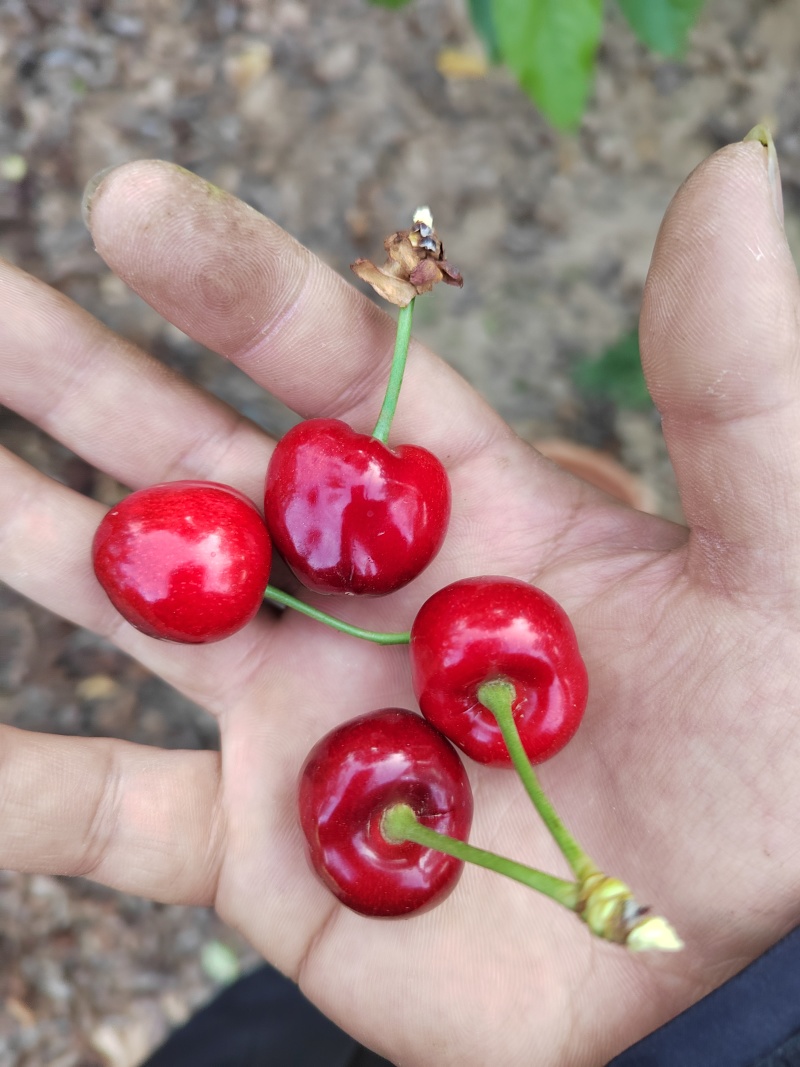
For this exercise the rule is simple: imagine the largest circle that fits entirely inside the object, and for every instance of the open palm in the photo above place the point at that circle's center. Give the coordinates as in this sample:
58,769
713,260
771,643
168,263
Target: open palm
682,777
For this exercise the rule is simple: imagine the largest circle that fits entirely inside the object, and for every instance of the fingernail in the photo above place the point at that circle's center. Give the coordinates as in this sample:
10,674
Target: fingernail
762,134
91,189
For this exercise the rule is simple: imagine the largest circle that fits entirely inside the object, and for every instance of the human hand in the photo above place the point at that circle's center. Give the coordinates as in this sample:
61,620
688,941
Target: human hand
682,779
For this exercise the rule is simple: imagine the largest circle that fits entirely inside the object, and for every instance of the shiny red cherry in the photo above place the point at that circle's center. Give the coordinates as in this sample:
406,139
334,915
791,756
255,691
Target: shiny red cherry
185,561
488,629
349,780
349,514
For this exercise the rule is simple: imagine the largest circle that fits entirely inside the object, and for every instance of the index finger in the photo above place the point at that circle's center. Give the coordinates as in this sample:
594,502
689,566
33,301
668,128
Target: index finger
237,283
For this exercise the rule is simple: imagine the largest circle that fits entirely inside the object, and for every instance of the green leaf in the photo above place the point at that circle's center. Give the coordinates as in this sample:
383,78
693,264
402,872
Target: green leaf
550,45
616,374
388,3
480,11
662,25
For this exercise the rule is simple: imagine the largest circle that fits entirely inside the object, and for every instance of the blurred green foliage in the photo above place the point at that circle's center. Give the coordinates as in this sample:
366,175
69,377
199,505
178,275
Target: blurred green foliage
551,45
662,25
616,375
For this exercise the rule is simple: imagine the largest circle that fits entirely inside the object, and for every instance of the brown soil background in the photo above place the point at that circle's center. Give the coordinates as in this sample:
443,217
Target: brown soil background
332,118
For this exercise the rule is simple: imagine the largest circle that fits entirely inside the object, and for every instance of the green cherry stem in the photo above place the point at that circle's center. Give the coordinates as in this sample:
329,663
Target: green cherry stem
498,697
402,339
399,824
605,904
286,600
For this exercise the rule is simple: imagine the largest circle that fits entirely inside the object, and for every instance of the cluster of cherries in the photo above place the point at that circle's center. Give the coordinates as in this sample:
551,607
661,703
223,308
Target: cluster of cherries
384,799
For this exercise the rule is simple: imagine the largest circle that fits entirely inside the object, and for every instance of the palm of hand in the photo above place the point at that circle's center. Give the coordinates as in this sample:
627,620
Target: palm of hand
688,641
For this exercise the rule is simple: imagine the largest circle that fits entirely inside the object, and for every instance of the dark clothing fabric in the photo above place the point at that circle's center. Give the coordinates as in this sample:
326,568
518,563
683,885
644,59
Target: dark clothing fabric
751,1021
264,1021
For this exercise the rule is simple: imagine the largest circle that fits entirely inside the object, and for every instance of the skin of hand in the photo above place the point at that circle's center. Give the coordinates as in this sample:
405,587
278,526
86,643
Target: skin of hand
683,777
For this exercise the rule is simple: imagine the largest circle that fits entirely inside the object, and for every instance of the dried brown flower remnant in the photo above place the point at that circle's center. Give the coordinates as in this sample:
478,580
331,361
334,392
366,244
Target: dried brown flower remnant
415,263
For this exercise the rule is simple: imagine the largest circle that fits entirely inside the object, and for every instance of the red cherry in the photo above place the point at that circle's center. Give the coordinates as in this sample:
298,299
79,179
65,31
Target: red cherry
498,629
350,515
349,780
184,561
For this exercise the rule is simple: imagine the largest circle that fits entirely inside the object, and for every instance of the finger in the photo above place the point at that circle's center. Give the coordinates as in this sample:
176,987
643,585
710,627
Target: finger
720,349
240,285
139,819
120,409
46,533
237,283
126,413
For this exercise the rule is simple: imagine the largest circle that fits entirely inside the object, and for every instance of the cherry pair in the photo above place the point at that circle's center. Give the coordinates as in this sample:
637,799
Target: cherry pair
189,562
385,802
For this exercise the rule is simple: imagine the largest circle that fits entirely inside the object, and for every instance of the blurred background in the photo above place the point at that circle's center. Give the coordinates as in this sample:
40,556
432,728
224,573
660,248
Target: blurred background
336,118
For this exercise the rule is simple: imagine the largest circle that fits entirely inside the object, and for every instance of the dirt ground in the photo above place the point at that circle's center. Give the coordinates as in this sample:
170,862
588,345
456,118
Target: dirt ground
333,118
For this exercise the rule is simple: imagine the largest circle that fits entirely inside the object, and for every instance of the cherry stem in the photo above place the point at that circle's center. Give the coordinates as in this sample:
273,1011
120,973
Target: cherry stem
605,904
498,696
399,823
277,596
402,339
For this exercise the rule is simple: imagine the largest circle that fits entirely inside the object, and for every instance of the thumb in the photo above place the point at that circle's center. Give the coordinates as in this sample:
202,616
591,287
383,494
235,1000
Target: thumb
720,339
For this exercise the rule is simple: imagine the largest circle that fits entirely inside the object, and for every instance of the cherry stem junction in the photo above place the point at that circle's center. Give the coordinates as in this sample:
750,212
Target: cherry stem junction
286,600
402,339
605,904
